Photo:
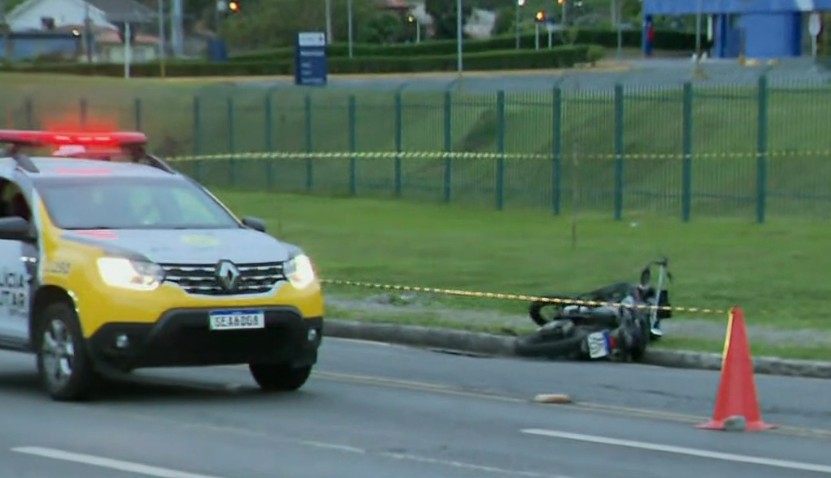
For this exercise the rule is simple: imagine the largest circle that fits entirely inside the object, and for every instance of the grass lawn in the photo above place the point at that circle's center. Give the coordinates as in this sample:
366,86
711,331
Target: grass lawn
776,272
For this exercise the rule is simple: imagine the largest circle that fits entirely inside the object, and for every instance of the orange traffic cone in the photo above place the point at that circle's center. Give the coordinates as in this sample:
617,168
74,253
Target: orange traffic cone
736,396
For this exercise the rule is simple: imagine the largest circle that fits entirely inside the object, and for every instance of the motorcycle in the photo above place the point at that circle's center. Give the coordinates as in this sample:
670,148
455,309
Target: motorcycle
616,321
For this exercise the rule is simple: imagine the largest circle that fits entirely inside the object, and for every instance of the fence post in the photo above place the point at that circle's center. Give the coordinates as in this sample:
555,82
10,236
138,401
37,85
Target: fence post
557,149
500,140
353,161
269,140
762,150
448,146
686,162
309,170
138,105
399,142
197,139
84,114
618,151
232,163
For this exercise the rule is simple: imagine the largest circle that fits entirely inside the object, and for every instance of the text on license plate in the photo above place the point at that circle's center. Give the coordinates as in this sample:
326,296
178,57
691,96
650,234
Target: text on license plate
237,319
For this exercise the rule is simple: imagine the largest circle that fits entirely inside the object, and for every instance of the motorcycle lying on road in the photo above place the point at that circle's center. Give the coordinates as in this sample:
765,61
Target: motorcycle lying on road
615,322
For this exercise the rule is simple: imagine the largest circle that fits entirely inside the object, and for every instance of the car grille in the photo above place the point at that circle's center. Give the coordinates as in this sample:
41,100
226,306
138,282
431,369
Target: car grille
200,279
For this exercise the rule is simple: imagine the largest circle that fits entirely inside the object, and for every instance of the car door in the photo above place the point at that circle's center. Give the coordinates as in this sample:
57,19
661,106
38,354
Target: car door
18,261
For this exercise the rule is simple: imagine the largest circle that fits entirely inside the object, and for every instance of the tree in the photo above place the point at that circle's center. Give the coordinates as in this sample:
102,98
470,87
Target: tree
274,23
384,28
444,15
505,21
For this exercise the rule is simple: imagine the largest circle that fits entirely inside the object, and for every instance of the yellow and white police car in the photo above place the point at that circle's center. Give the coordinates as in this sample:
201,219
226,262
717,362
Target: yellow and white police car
114,262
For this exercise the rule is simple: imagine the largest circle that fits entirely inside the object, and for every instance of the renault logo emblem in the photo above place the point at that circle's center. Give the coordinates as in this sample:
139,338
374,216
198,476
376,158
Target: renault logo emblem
227,274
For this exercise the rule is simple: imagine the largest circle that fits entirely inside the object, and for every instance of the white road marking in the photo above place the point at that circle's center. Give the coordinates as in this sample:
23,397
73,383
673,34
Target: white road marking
102,462
679,450
330,446
468,466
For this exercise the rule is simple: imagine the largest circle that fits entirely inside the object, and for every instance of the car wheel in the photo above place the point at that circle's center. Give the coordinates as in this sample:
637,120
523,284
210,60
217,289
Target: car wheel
65,368
279,377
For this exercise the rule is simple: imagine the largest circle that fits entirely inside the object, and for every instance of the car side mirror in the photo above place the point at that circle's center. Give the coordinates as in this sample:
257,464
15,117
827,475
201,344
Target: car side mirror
15,228
254,223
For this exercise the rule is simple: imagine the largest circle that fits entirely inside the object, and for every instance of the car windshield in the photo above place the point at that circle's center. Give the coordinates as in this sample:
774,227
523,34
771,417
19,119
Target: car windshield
131,203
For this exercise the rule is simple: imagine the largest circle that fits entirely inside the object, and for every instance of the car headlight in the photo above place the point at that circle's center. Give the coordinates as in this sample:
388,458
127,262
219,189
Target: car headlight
300,271
130,274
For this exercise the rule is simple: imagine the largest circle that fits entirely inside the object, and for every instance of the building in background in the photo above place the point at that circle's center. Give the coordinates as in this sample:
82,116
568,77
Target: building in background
754,29
87,30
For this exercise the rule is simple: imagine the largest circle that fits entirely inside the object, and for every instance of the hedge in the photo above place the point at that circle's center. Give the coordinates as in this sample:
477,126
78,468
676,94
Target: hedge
557,57
667,40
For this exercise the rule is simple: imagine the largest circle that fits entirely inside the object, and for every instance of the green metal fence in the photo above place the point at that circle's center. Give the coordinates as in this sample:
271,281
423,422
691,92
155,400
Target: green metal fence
747,151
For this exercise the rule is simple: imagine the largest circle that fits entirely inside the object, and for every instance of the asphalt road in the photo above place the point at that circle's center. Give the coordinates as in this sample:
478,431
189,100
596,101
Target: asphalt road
375,410
641,75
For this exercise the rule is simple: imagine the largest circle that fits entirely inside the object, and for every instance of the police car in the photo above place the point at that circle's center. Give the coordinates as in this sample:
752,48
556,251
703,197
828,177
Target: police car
111,260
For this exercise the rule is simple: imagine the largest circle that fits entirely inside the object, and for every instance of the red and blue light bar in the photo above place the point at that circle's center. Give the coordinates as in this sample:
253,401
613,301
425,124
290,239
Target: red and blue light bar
57,138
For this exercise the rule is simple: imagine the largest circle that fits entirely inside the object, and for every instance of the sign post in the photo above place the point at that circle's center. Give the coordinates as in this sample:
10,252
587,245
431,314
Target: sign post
310,65
814,27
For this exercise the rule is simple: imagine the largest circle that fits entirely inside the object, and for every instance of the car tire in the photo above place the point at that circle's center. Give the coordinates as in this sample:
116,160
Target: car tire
65,368
279,377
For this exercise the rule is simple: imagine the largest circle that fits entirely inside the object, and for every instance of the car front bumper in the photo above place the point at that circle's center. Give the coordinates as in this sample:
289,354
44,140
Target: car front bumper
182,337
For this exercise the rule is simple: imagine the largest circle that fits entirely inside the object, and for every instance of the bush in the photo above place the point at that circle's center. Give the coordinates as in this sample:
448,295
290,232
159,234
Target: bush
666,40
558,57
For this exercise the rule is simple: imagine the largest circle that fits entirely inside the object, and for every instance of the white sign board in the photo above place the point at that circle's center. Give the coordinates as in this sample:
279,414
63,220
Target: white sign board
814,24
311,39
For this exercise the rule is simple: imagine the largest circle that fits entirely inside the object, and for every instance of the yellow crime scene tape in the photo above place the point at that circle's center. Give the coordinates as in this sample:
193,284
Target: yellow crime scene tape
264,155
518,297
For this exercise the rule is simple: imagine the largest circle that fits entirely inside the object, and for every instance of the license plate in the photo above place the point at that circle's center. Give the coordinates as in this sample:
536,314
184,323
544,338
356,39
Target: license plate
237,319
598,345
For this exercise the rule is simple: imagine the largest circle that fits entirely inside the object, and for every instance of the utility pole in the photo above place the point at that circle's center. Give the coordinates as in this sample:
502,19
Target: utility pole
349,18
88,33
519,5
328,22
7,37
162,39
127,49
176,27
459,35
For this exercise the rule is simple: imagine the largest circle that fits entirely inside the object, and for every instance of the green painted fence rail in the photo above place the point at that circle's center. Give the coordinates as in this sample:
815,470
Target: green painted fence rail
748,152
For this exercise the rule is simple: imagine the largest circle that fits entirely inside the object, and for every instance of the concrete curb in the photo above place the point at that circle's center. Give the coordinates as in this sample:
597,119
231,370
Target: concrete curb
501,345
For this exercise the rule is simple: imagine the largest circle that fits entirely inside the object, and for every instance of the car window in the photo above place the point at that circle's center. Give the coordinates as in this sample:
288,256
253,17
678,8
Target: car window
189,204
130,203
12,201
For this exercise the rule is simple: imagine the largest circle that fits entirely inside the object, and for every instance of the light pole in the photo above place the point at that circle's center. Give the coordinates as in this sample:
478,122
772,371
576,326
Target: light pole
459,66
619,23
698,31
328,22
519,5
413,19
349,17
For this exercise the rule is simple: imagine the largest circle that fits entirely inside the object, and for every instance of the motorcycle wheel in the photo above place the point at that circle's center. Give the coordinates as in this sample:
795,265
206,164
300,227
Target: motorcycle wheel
638,352
543,312
546,345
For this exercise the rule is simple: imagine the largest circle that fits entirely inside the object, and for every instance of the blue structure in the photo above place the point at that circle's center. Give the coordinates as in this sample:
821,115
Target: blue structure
761,29
310,65
31,45
217,50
